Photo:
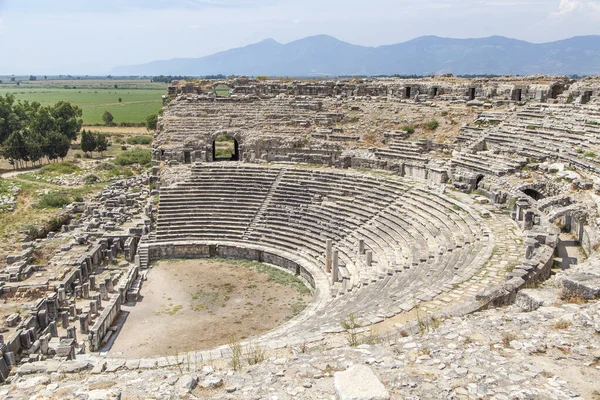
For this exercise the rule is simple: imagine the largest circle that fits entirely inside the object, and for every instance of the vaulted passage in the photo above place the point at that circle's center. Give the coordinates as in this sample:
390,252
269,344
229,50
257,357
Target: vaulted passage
225,148
518,95
534,194
471,93
478,181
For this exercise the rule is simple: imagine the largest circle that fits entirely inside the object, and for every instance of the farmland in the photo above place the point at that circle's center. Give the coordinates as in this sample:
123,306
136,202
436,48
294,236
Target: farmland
139,98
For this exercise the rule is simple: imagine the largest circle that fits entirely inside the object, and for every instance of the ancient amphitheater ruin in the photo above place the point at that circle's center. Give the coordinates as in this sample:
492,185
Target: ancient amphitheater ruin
401,204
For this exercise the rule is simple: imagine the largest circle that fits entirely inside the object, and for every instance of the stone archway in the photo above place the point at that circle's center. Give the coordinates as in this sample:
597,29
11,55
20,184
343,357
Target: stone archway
536,191
478,181
226,146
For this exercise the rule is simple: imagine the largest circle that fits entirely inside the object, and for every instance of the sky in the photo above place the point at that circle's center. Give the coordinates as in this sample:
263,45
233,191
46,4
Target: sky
92,36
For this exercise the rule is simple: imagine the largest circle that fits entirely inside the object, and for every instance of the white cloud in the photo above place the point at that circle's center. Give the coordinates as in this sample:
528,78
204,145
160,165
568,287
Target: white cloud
567,7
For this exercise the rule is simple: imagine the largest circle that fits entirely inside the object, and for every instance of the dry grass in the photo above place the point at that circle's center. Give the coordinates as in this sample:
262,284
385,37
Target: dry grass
572,298
562,324
508,337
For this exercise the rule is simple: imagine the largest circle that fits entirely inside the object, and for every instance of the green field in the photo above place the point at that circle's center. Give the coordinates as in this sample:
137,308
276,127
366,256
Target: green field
139,98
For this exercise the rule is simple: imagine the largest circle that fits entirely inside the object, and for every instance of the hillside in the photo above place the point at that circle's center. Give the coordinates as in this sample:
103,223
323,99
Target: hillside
324,55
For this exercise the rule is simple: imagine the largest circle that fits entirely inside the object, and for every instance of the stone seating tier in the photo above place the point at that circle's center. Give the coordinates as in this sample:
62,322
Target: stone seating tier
408,230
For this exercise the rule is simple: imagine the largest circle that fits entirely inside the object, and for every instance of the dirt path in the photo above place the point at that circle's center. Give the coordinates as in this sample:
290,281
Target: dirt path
141,130
198,304
10,174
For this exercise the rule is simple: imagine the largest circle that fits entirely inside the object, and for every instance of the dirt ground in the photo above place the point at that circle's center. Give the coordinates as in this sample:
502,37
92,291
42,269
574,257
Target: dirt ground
198,304
134,130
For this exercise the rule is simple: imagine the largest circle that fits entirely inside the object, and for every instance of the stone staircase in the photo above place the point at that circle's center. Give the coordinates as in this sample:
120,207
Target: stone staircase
265,205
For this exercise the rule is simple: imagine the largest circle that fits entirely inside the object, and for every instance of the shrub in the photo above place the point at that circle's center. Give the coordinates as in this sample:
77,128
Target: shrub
408,129
444,113
78,199
255,354
350,326
139,140
59,168
105,166
236,354
590,154
53,200
531,127
137,156
432,125
91,179
224,138
223,153
562,324
124,148
31,231
151,122
118,172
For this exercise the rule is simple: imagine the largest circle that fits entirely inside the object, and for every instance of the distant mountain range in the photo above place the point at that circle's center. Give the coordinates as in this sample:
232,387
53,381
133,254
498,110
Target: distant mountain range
324,55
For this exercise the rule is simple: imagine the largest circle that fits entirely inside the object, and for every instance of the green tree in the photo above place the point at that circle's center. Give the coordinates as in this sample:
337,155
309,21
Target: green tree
108,118
151,122
102,143
34,145
14,149
9,122
67,119
88,141
56,145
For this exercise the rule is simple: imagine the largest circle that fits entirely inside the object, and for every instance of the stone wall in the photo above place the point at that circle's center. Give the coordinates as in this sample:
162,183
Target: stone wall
165,250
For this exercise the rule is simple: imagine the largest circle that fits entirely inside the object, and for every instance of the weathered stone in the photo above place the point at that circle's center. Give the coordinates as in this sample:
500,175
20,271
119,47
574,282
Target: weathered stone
583,284
104,394
188,382
359,383
212,382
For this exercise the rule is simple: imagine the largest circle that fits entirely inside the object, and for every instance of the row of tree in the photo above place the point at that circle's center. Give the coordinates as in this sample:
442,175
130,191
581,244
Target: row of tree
171,78
30,132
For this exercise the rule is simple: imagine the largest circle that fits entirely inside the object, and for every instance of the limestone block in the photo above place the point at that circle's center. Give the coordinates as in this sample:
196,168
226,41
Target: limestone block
490,294
359,383
532,299
188,382
212,382
583,284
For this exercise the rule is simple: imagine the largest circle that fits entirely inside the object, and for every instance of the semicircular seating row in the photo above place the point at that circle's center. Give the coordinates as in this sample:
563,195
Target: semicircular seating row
566,132
214,116
422,243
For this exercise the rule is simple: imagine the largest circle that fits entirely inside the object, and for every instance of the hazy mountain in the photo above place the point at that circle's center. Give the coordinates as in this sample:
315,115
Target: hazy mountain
325,55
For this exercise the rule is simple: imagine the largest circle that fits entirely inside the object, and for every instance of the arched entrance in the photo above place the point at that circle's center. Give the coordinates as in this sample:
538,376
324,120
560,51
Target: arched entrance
225,148
478,181
534,194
